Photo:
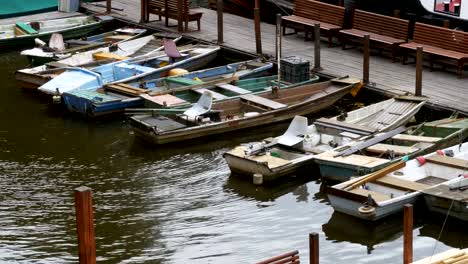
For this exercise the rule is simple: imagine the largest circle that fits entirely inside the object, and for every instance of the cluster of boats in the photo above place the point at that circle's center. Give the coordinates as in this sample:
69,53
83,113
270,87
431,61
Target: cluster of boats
381,161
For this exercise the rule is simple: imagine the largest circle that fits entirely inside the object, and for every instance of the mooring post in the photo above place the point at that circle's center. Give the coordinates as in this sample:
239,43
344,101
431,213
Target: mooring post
85,225
108,6
313,248
278,36
407,234
419,67
317,66
142,11
258,36
180,6
365,70
219,10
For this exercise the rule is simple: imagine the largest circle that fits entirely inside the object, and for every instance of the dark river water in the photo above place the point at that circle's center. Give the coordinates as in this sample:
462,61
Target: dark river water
175,204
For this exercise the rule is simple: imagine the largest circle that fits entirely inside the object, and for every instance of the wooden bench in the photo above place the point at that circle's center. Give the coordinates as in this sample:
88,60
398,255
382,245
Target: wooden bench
439,42
385,31
402,184
169,9
233,89
287,258
448,161
307,13
215,95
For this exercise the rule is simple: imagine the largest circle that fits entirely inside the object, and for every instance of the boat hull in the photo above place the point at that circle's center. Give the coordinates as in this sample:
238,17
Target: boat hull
459,208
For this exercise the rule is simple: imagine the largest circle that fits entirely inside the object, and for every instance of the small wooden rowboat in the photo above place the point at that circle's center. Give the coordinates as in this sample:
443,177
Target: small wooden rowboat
145,46
19,34
275,158
141,68
369,155
40,55
206,118
116,98
385,192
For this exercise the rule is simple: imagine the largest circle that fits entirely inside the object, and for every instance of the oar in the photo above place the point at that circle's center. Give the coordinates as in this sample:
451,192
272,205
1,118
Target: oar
375,175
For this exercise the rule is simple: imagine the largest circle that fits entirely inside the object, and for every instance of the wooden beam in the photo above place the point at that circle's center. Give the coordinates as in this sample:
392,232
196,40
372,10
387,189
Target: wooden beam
180,6
317,66
258,36
313,248
408,234
85,225
219,10
419,65
365,65
108,6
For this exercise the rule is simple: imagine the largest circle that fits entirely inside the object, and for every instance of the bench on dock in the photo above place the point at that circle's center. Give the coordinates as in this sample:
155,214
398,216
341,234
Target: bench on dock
439,43
262,102
287,258
170,9
385,31
307,13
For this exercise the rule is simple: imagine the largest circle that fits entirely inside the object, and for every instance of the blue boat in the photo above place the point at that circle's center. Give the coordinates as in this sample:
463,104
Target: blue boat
99,102
141,68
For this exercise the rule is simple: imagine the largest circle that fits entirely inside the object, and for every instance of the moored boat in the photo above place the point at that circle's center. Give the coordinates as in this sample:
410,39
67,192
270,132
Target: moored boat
273,159
19,34
245,111
374,153
145,46
40,55
385,192
115,98
140,68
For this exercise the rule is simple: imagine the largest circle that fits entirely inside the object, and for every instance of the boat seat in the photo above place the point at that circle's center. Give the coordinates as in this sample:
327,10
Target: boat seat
402,184
448,161
233,88
215,95
378,197
182,80
399,150
25,28
257,100
342,126
413,138
201,107
164,99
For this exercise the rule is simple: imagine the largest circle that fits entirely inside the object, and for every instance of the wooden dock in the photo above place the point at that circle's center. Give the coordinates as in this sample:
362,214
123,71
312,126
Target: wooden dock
442,88
38,17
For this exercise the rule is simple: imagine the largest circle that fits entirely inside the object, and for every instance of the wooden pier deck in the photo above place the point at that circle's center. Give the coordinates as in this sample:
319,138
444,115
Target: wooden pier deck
442,88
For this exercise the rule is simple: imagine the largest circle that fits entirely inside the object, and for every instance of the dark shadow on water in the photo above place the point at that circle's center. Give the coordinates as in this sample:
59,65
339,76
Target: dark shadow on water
454,233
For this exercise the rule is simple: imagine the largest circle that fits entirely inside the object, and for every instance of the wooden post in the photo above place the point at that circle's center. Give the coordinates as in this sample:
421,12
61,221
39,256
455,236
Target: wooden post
143,5
341,2
180,5
108,6
278,36
365,70
219,10
313,248
317,66
258,36
419,66
408,234
446,23
85,225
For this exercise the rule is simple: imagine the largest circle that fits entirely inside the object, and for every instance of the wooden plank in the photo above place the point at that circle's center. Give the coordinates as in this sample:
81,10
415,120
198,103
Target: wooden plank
412,138
125,89
262,101
399,150
215,95
164,99
340,125
233,88
378,197
375,175
403,184
448,161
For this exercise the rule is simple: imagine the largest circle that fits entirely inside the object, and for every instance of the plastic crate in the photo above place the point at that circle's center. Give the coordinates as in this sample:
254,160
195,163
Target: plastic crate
295,69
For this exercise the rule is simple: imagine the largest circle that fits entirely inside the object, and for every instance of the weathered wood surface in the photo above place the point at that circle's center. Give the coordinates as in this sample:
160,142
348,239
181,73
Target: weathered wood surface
38,17
443,88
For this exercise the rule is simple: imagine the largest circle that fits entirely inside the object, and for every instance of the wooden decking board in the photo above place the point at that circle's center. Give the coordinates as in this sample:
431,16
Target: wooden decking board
215,95
443,88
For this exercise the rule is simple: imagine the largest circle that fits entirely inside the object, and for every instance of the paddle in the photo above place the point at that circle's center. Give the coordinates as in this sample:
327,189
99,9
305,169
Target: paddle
375,175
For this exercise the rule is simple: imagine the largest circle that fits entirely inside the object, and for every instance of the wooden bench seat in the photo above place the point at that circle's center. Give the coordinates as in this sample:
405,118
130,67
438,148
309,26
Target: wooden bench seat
166,100
326,123
215,95
307,13
169,9
439,43
384,31
402,184
233,88
448,161
398,150
378,197
257,100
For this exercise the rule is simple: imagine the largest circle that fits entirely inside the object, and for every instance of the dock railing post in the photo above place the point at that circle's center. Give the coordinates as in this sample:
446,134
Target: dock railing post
143,11
407,233
365,70
108,6
219,10
258,36
313,248
278,36
180,5
317,59
85,225
419,67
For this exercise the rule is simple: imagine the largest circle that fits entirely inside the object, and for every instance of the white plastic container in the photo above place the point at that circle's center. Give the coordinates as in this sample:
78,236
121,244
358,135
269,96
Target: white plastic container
68,5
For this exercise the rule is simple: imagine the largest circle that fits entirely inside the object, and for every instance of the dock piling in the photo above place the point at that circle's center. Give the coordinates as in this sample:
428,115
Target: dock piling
407,233
365,70
317,59
180,27
313,248
85,225
108,6
278,36
258,37
419,67
219,10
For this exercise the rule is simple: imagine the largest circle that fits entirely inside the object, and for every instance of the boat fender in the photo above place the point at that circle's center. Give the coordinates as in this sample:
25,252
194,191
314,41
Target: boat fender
258,179
366,210
405,158
440,152
421,160
56,99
